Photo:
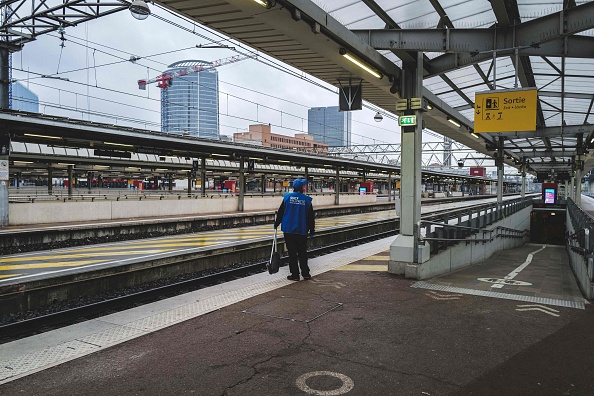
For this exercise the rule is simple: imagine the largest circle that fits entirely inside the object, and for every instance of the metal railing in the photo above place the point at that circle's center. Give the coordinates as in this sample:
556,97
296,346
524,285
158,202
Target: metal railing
458,226
582,240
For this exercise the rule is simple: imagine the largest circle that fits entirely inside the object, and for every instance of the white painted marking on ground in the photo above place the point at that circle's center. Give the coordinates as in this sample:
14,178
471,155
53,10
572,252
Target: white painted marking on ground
347,383
537,307
437,296
507,280
499,282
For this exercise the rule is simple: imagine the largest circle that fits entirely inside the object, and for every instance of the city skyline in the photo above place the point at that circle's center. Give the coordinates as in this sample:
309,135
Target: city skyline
102,67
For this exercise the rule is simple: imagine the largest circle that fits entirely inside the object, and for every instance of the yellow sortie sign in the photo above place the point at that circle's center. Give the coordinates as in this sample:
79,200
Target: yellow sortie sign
505,111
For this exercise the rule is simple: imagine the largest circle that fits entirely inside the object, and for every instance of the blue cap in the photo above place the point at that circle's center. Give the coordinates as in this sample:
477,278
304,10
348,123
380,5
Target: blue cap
298,184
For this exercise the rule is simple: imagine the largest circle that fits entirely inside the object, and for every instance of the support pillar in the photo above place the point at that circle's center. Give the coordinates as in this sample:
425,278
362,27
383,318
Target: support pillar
406,254
389,187
263,183
203,177
171,182
4,193
50,177
337,188
190,180
240,203
306,174
70,180
4,79
89,181
523,193
500,173
571,184
578,186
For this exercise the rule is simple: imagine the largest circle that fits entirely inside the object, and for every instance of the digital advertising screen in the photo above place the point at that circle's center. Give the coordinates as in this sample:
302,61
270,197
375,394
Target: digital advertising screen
549,196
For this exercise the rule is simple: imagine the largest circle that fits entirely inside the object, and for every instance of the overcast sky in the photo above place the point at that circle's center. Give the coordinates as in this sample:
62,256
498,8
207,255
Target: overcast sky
101,78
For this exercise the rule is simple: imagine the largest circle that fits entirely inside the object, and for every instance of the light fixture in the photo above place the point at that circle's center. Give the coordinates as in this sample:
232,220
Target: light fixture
359,63
474,135
429,106
454,122
378,117
118,144
267,3
42,136
139,10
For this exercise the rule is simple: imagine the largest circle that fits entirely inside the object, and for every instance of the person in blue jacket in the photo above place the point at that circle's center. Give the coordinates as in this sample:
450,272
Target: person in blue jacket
296,217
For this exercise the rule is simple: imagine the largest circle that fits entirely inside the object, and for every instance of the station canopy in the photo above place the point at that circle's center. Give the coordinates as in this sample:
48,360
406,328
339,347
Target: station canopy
468,47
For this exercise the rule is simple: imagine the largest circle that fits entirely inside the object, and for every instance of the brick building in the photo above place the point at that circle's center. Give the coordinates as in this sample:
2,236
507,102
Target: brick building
261,135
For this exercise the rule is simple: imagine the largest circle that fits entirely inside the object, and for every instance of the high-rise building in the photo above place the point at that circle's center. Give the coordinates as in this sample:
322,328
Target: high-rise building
24,99
330,126
190,106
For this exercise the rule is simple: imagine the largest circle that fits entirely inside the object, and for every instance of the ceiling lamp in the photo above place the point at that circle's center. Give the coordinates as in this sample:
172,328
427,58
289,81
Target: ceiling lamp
378,117
270,4
454,122
360,63
139,10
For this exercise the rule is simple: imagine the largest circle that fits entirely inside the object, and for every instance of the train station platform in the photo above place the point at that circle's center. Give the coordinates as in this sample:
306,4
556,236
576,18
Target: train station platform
353,329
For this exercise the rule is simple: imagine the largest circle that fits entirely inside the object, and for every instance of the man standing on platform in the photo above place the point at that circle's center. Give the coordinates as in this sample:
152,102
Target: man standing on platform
296,217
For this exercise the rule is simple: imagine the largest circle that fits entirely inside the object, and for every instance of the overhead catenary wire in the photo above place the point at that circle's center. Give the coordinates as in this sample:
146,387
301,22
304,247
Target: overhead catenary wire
71,39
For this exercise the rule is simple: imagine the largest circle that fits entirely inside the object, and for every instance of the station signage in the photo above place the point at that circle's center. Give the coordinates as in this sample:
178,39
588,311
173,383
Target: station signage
508,110
407,120
4,175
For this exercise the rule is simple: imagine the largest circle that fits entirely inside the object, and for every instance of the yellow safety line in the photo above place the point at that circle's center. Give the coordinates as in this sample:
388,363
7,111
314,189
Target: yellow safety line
74,256
47,265
134,248
377,258
9,276
363,267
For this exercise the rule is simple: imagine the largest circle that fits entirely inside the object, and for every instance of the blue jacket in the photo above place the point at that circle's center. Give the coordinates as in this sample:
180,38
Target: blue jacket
296,214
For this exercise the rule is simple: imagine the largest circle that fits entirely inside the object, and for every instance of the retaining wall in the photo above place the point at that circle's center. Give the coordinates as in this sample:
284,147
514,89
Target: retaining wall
465,254
51,212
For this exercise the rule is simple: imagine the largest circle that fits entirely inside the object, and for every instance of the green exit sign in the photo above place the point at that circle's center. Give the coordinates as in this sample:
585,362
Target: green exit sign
409,120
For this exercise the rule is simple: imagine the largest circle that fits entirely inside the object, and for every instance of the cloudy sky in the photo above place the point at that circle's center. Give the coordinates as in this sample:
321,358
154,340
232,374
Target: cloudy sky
102,79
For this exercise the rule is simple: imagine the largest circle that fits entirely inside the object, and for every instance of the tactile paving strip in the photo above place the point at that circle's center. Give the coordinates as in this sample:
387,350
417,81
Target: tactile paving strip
505,296
18,365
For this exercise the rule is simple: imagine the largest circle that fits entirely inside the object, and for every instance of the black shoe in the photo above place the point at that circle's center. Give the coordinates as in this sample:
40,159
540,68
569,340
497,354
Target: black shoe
307,277
293,277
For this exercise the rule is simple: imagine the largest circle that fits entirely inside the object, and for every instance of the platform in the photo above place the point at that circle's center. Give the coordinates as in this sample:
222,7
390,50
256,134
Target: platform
354,329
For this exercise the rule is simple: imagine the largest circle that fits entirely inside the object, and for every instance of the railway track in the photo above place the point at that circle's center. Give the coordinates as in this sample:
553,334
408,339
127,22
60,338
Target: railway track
45,322
247,256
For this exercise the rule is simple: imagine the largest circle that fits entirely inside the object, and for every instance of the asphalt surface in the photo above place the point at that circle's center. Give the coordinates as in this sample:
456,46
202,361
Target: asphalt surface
355,332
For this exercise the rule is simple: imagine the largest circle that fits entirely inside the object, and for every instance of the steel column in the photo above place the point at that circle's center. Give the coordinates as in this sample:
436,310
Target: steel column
4,79
240,203
337,188
203,177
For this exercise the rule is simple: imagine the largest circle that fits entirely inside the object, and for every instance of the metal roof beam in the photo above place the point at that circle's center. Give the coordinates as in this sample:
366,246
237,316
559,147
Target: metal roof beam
475,42
550,132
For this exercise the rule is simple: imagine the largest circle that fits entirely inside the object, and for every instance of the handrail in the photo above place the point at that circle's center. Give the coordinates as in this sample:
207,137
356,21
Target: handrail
469,221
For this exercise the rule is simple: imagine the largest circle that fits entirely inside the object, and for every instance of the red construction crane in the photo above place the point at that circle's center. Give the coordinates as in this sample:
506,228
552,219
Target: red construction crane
166,79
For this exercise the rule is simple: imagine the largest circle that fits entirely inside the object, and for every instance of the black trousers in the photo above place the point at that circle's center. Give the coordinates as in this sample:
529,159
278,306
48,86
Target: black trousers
297,247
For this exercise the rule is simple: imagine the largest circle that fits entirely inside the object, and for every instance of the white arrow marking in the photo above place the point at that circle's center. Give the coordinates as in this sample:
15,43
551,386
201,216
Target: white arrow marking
515,272
537,306
441,298
536,309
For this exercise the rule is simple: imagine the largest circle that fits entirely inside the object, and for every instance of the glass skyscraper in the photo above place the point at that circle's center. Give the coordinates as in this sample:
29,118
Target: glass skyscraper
190,106
24,99
330,126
